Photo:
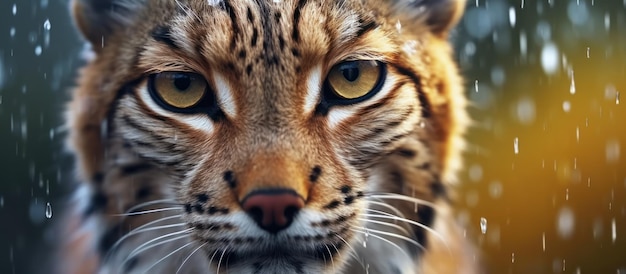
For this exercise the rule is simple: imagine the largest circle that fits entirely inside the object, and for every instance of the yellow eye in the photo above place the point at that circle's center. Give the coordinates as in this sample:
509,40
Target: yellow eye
180,90
355,79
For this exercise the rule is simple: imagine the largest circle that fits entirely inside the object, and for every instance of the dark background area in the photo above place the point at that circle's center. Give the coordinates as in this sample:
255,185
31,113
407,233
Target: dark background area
545,169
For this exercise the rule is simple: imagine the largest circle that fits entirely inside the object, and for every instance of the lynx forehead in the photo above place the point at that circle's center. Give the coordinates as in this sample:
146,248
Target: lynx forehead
304,136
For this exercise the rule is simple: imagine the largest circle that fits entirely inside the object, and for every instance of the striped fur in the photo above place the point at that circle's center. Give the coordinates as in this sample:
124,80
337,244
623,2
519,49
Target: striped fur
163,190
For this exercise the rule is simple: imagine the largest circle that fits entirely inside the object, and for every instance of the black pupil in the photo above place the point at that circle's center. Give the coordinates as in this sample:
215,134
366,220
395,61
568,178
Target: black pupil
182,82
350,72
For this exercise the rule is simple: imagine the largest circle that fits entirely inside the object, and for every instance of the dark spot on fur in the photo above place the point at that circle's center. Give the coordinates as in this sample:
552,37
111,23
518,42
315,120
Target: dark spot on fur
325,223
242,54
333,204
163,34
315,174
198,208
346,189
360,194
407,153
281,42
143,192
250,16
229,177
438,189
248,69
295,52
212,210
277,16
202,198
255,37
348,200
188,208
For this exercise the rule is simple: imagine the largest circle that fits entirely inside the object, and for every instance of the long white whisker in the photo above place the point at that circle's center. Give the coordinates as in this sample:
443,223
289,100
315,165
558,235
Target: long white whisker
414,242
188,257
161,201
220,261
141,231
332,261
392,208
147,245
394,196
425,227
382,239
166,256
353,252
406,232
148,211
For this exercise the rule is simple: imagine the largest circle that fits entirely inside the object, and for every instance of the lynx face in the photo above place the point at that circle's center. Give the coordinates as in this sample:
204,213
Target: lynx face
268,137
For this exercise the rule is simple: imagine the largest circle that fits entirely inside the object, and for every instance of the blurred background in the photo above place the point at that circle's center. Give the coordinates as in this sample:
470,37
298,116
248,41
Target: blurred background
544,185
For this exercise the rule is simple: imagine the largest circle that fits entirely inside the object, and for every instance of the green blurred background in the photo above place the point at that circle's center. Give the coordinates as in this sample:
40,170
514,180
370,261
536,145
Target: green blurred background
544,185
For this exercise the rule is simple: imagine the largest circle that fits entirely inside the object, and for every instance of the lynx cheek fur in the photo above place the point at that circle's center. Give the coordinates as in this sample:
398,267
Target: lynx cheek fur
293,136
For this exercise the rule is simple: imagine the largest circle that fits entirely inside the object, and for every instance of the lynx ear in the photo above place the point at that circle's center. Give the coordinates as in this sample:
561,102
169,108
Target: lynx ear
97,19
439,15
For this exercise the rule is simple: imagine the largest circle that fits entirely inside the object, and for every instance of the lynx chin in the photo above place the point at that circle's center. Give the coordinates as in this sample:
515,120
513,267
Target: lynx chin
265,136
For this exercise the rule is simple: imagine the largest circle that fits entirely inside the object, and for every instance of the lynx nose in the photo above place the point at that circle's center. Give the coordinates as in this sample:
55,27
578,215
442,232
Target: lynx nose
273,209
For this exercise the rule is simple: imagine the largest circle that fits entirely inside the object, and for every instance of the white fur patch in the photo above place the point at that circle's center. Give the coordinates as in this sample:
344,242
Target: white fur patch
225,95
313,88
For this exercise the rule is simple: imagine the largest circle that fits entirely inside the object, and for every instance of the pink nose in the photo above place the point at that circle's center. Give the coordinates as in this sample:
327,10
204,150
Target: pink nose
273,209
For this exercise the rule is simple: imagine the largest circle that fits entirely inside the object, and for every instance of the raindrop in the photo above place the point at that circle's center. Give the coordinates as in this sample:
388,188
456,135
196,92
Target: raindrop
578,14
565,222
543,242
38,50
607,21
12,32
567,106
512,18
367,234
476,85
617,98
550,58
612,151
1,201
498,76
572,86
46,24
587,52
577,134
597,228
1,76
48,211
14,10
512,257
483,225
516,145
523,44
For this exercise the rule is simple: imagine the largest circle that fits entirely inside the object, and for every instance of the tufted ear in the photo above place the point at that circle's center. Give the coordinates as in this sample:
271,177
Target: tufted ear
97,19
439,15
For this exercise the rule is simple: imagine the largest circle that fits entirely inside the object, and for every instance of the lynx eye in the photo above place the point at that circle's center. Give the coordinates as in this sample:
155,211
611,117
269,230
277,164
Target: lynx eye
353,81
179,90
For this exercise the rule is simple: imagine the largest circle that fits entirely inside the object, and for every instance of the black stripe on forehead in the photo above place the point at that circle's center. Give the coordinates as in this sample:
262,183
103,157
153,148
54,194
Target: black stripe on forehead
424,102
296,20
163,34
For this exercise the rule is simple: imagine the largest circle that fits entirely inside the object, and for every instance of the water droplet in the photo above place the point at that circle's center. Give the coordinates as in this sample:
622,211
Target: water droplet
512,17
512,257
476,85
12,32
410,47
46,24
475,172
1,201
526,111
483,225
565,222
38,50
617,98
550,58
577,134
523,44
367,234
567,106
516,145
14,9
572,86
543,242
588,53
607,21
48,211
613,230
